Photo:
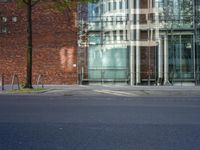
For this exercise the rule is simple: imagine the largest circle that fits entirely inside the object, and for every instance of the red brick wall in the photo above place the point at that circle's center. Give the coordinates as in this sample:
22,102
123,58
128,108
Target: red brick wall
54,45
144,4
148,57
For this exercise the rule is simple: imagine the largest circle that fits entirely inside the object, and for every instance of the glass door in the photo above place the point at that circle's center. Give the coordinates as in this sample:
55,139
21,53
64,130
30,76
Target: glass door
181,57
187,57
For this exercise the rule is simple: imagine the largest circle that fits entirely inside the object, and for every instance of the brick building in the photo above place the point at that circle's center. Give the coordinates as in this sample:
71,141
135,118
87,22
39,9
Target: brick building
54,44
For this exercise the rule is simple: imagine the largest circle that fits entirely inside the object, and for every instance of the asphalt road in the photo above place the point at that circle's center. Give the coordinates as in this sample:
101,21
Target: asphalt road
99,123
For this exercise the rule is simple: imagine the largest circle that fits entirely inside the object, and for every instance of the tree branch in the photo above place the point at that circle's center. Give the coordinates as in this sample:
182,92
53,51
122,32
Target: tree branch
25,2
33,4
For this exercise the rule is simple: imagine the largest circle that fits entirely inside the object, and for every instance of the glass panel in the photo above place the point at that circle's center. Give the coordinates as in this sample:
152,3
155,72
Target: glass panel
108,63
187,60
176,13
181,57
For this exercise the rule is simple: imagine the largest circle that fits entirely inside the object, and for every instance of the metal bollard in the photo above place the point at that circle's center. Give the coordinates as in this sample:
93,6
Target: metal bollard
15,78
40,80
2,82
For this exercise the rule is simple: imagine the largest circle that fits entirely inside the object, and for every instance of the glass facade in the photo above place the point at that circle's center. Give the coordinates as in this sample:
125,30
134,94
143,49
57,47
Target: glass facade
106,64
181,24
153,42
182,57
107,57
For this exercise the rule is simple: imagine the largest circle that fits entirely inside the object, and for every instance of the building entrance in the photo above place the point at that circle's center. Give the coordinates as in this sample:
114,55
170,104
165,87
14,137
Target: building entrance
181,58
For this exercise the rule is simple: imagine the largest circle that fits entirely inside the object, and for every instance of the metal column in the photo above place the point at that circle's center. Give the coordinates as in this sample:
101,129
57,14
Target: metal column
166,68
132,49
160,58
138,57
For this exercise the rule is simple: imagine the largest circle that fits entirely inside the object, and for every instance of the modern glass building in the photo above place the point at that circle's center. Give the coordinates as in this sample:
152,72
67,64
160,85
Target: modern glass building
141,42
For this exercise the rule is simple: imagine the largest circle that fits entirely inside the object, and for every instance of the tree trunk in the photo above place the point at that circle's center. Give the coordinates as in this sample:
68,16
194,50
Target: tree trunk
29,46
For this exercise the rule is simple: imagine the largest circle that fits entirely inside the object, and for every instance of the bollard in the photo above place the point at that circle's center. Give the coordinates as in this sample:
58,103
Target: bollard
40,80
2,82
15,78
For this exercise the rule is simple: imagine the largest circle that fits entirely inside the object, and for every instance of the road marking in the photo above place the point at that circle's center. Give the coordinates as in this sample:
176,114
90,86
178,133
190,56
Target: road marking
113,85
117,93
86,86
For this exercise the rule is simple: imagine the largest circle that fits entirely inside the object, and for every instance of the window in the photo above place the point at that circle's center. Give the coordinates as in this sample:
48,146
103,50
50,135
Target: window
101,8
120,5
4,19
14,19
107,36
109,6
134,19
114,5
4,29
127,18
121,21
143,19
127,4
114,35
96,10
105,8
134,4
121,35
112,21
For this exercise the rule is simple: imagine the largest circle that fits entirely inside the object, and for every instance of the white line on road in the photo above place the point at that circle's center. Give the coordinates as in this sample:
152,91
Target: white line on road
117,93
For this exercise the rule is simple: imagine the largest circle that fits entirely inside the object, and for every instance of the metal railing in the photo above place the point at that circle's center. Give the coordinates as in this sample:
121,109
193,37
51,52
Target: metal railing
147,78
104,75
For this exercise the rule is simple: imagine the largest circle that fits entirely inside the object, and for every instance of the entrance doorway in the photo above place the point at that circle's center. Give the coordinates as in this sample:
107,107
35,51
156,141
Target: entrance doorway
181,58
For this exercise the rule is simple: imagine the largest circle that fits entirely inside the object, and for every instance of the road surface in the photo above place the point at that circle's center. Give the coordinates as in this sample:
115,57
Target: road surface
99,123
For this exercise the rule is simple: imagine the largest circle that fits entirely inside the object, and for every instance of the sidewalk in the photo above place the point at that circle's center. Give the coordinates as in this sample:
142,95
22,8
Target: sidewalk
117,90
122,90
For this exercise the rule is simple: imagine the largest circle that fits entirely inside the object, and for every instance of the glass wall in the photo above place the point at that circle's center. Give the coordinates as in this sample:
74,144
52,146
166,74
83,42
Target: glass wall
182,58
177,13
109,63
167,46
107,58
178,21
